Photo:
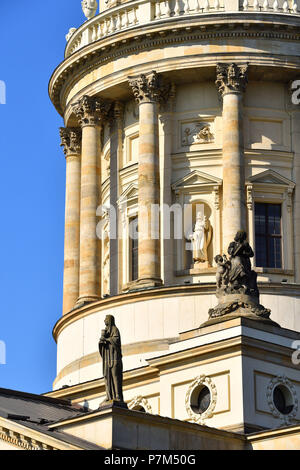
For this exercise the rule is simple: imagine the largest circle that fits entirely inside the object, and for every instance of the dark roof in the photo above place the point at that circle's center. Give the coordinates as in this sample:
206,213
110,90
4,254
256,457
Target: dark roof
38,412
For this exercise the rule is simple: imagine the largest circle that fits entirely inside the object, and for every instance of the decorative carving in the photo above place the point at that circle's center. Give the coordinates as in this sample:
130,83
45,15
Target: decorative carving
118,110
149,87
250,197
91,111
199,381
70,140
19,440
111,354
70,33
89,8
139,401
237,288
201,238
197,133
216,190
287,419
231,78
289,202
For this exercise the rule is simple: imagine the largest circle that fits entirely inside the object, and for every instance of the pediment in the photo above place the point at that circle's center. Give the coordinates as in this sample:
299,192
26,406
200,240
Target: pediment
270,177
196,178
131,192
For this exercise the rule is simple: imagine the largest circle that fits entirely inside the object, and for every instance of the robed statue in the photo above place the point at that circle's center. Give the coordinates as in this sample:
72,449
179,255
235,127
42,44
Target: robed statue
111,354
201,238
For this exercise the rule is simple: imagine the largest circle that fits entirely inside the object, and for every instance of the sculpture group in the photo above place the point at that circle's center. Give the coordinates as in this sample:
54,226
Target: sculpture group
236,281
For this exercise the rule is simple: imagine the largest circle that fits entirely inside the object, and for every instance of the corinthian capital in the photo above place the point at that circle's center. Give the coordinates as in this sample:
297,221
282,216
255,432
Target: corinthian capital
149,87
70,140
91,111
231,78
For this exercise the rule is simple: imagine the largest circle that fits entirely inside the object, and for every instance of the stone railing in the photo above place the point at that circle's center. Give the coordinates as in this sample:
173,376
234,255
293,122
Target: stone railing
137,13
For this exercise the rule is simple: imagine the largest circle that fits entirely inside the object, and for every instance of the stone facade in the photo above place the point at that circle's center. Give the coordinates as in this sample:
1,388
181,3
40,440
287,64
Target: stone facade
172,110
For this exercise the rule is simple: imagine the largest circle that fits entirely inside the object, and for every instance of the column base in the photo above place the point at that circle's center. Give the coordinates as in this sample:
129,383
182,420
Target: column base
144,283
86,300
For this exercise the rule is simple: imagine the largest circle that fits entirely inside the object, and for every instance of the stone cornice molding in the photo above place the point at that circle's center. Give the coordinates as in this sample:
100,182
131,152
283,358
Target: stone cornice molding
149,88
91,111
20,440
70,141
87,59
231,78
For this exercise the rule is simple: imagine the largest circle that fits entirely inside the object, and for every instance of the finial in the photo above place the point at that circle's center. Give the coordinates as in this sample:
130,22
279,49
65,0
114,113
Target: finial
89,8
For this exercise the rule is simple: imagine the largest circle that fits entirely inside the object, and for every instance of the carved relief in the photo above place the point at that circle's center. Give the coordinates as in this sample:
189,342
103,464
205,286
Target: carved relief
196,133
250,197
91,111
231,78
138,402
149,87
196,385
70,140
286,419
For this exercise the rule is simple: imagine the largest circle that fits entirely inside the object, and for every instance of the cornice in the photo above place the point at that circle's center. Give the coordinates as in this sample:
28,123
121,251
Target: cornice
28,439
161,292
128,42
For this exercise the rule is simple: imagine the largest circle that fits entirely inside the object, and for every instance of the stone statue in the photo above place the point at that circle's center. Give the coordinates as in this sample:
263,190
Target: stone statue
237,289
89,8
223,268
111,354
201,238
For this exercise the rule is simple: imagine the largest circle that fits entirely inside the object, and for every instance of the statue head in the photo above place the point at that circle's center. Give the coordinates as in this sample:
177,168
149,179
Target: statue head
240,236
109,321
218,259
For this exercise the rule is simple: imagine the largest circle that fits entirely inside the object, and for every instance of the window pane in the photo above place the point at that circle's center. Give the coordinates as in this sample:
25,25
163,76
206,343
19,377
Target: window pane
261,252
260,219
268,235
274,219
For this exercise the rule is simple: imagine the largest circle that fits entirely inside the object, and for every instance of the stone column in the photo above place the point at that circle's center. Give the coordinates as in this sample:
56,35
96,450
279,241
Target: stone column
71,141
231,83
91,112
149,90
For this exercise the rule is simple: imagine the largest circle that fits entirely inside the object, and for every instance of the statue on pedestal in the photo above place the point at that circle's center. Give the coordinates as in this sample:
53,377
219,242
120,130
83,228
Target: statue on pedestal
111,354
237,289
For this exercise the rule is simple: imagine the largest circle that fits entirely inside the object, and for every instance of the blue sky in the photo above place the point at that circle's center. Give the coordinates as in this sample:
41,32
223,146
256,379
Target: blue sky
32,189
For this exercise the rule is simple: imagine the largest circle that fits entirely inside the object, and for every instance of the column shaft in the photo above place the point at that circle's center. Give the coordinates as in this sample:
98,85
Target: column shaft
231,83
71,139
149,189
89,280
234,207
149,90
